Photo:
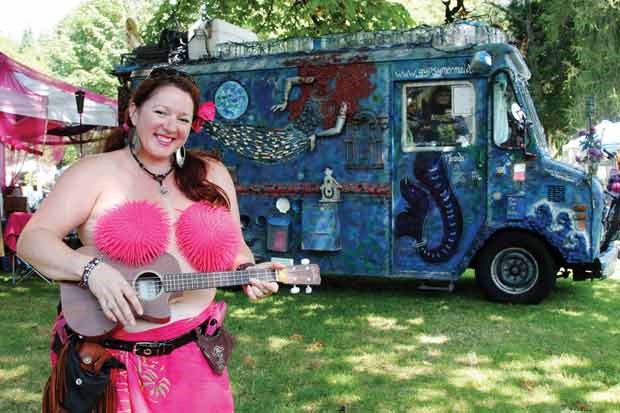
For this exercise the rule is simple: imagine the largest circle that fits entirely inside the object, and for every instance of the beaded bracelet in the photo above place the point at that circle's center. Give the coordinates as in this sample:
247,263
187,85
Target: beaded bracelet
88,269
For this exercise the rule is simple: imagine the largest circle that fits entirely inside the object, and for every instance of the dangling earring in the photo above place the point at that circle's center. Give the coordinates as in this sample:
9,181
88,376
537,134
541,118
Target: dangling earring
125,128
179,156
134,140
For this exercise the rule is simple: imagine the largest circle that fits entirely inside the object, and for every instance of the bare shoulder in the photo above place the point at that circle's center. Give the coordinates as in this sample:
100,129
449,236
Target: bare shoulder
216,170
75,193
94,166
91,174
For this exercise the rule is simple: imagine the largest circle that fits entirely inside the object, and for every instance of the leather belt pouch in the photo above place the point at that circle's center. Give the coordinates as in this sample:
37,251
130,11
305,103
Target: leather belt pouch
216,348
87,375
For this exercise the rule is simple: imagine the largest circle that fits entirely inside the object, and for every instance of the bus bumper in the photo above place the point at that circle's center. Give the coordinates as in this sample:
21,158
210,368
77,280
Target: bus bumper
603,267
608,261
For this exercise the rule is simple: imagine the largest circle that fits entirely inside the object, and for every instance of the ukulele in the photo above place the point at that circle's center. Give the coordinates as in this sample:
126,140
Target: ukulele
155,283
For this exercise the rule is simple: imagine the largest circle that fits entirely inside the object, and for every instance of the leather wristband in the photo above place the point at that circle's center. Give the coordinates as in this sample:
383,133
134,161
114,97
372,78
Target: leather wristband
244,266
88,269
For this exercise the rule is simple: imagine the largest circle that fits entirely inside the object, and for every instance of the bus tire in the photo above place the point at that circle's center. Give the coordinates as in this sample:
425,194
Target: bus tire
516,267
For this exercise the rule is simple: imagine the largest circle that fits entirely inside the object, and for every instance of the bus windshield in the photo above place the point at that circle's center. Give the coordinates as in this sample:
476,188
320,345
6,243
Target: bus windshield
536,127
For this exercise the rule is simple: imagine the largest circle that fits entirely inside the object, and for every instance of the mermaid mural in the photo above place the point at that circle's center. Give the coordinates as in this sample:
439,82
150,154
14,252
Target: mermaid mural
432,185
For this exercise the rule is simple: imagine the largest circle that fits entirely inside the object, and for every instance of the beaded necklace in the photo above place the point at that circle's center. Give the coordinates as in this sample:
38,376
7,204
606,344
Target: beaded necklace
157,177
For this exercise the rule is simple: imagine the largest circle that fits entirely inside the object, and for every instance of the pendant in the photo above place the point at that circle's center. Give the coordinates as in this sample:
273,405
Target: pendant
163,190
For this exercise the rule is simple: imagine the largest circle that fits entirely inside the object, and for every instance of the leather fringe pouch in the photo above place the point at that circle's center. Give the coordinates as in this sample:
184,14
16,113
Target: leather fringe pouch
216,348
80,381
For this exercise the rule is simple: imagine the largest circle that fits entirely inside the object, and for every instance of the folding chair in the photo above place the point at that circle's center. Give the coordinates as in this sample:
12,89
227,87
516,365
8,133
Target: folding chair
20,269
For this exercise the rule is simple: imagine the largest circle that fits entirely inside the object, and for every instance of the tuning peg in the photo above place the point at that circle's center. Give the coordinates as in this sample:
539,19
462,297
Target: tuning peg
305,261
294,289
308,289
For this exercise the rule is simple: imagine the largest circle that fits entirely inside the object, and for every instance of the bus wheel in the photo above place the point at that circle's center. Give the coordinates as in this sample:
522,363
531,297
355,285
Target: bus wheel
516,267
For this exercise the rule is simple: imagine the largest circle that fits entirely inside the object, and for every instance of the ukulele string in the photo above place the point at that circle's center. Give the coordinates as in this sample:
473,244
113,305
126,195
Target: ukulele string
184,280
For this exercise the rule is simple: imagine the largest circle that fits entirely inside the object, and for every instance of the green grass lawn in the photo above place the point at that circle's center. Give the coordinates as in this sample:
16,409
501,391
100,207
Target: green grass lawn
379,346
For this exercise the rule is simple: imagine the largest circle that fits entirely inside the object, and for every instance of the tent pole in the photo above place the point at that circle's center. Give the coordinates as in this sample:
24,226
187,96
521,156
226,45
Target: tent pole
79,102
81,142
2,168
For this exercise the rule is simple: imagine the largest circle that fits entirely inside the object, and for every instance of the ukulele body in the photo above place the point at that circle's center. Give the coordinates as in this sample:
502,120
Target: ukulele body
83,313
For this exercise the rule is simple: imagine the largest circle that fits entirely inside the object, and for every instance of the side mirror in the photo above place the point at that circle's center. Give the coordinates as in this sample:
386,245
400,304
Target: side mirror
519,127
517,113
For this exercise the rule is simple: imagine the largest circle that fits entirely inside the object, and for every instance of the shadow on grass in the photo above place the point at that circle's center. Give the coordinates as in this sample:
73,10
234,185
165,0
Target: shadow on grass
376,345
28,309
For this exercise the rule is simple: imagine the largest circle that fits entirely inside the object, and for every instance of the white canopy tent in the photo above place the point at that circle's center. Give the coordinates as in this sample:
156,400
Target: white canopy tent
609,133
26,92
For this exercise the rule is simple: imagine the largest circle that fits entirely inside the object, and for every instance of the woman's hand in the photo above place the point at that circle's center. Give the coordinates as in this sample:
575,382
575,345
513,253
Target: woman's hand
115,295
258,289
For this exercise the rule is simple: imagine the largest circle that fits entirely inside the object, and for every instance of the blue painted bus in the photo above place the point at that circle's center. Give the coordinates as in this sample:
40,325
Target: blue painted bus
412,154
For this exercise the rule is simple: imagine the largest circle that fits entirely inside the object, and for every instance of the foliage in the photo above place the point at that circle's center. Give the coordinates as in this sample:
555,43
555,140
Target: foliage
433,12
452,13
87,44
27,51
27,40
378,346
282,18
572,49
71,154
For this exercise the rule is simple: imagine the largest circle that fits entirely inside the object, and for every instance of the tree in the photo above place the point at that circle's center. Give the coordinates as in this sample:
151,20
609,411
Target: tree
27,51
27,40
572,49
283,18
452,13
88,43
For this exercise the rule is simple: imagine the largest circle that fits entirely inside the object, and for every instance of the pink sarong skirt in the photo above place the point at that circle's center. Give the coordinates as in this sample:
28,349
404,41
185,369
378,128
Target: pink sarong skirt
181,381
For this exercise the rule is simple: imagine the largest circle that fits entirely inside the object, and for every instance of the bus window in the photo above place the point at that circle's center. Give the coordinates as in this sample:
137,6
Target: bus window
438,115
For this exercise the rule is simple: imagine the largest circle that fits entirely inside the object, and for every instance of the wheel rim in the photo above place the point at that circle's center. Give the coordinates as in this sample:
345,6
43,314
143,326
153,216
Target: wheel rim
514,271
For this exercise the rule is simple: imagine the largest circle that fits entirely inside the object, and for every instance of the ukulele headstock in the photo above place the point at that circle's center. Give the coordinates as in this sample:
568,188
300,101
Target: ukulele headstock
305,274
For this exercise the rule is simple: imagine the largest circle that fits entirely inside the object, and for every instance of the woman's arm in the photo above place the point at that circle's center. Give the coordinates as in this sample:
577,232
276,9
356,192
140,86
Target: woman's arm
67,207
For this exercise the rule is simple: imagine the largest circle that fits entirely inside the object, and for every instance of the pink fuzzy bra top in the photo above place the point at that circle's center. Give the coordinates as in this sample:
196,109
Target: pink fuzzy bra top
137,232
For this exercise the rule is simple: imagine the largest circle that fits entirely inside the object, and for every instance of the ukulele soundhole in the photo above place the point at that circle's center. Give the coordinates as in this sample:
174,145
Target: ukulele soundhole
148,285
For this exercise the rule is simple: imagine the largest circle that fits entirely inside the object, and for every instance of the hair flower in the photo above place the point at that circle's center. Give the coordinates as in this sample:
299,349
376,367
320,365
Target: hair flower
206,112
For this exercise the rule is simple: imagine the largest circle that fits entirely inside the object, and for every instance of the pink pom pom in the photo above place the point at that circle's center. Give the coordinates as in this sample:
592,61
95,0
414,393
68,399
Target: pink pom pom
615,187
134,233
208,237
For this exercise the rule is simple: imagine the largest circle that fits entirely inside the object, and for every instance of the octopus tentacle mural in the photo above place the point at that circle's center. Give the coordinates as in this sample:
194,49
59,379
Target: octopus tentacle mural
433,184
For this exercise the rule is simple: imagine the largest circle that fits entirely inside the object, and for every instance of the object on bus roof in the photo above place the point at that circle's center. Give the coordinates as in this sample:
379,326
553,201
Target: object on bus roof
204,37
449,37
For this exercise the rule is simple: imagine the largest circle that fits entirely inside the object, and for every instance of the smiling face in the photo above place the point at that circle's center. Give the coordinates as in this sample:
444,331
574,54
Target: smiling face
162,122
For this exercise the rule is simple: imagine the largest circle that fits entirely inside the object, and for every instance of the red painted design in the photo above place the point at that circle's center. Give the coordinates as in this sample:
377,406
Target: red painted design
334,82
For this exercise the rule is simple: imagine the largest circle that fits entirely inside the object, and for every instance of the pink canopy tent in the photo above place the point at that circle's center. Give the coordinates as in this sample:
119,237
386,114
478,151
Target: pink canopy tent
32,103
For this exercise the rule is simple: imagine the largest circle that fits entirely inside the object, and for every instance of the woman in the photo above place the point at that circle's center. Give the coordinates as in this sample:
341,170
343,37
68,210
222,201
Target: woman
145,196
